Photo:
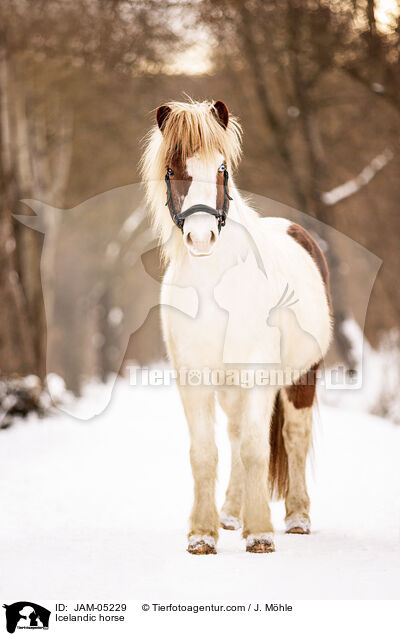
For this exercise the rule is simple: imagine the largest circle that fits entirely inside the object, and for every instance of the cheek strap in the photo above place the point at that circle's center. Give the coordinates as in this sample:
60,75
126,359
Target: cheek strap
179,217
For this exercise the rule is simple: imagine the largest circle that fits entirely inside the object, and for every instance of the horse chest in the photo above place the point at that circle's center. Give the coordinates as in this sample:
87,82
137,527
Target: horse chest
194,340
234,320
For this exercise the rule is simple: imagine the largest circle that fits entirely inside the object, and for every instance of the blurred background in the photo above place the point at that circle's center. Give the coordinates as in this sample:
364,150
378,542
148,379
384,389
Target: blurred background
316,87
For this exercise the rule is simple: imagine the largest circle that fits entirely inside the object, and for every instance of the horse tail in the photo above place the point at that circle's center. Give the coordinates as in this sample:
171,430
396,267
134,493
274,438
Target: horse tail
278,477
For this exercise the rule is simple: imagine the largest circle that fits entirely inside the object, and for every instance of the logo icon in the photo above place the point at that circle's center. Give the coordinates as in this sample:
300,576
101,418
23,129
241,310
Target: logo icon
26,615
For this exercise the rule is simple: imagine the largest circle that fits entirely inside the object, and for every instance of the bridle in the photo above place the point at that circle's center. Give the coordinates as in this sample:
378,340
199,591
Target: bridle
179,217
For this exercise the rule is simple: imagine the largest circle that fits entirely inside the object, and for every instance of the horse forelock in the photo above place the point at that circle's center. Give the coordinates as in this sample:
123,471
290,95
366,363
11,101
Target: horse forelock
194,127
190,128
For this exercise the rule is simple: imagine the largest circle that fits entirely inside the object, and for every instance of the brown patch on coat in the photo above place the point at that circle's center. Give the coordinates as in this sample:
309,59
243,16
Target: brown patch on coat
180,181
220,190
302,393
278,476
303,238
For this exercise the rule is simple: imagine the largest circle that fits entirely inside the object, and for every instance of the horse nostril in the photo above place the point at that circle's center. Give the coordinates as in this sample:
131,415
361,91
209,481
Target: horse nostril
213,238
189,239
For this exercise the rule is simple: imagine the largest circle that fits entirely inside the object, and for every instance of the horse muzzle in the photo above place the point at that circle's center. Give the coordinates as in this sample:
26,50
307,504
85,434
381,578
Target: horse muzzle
200,233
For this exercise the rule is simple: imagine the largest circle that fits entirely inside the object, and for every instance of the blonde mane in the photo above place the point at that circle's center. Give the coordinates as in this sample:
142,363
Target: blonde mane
191,127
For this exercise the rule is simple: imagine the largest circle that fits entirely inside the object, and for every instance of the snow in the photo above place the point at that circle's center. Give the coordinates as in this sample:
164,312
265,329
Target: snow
99,509
230,521
377,379
265,537
196,539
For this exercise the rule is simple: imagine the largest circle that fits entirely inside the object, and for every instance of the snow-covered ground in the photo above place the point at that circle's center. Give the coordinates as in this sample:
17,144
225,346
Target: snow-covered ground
99,509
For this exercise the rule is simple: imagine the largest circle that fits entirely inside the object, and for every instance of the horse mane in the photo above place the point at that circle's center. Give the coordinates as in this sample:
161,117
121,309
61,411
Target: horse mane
191,127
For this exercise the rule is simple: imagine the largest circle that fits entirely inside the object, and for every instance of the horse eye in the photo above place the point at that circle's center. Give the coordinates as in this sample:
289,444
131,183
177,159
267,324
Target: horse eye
170,172
222,168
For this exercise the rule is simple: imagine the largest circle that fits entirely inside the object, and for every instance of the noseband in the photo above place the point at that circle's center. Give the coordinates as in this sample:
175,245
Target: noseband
179,217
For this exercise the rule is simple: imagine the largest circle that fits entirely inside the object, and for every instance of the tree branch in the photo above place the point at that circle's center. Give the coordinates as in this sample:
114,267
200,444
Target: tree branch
353,186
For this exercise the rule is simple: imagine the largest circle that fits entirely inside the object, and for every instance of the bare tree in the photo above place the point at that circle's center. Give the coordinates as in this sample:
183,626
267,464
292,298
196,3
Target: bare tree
43,46
287,49
372,57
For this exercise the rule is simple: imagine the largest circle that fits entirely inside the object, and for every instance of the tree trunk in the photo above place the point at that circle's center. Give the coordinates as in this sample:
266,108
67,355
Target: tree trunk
269,115
17,350
317,174
29,168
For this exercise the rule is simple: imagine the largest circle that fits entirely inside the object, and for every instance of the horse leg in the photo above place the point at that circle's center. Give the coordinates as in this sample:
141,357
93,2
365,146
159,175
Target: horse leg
199,406
254,452
230,513
297,431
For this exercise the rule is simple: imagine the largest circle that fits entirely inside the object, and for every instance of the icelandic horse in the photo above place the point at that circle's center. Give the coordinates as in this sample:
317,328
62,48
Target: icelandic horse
204,226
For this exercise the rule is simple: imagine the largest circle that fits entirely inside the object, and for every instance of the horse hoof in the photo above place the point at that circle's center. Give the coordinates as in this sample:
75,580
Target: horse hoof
229,522
199,544
298,530
260,543
298,526
201,548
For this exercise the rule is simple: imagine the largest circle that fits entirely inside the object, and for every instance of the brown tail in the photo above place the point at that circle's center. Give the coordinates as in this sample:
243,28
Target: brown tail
278,462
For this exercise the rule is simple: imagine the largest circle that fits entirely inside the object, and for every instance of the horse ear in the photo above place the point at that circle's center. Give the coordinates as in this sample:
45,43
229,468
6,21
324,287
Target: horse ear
221,111
37,222
33,222
161,115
